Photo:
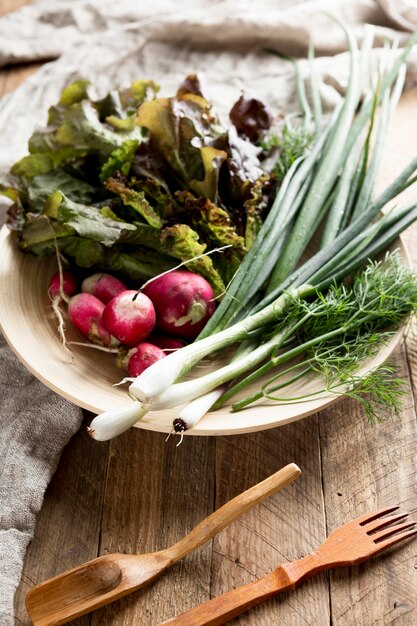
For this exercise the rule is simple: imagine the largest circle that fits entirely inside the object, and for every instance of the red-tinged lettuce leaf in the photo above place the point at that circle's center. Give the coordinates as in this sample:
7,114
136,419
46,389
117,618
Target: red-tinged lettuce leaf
243,160
214,227
255,208
240,171
149,165
181,131
16,212
251,117
212,159
136,200
181,242
190,84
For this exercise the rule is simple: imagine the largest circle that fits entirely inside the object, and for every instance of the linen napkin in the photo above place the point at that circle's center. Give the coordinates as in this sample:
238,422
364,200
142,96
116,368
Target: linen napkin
112,43
35,424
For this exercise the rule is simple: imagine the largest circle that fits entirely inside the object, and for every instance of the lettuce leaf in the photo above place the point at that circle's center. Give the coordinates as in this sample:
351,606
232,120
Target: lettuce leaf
136,200
42,186
87,221
255,208
251,117
120,160
79,126
180,131
134,183
214,227
183,243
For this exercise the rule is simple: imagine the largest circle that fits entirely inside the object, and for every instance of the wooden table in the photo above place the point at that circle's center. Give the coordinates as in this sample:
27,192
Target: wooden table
140,493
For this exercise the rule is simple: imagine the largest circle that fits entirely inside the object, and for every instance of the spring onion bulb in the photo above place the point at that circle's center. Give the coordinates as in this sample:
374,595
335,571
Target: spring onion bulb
115,421
194,411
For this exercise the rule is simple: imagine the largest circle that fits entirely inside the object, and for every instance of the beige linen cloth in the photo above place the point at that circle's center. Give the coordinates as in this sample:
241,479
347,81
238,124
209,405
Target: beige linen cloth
112,43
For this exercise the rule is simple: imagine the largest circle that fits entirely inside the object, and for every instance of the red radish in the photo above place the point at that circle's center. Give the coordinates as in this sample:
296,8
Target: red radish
69,285
85,312
103,286
168,344
138,358
183,302
129,320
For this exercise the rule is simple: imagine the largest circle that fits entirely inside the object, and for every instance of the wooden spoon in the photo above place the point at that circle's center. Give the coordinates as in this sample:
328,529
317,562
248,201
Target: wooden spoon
109,577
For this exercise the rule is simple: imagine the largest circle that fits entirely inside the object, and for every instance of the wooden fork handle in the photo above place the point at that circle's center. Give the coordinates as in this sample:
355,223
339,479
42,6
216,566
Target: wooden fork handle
231,604
230,511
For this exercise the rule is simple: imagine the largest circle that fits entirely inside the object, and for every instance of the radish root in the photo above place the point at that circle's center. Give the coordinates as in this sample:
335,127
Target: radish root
194,258
94,346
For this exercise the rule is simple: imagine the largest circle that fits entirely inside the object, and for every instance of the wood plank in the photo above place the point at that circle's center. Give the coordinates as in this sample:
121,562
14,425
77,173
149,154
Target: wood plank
367,467
285,527
68,526
403,138
7,6
11,76
155,494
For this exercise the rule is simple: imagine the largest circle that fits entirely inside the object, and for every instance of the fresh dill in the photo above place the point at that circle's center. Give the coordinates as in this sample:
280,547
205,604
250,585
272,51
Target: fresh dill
336,332
381,393
286,145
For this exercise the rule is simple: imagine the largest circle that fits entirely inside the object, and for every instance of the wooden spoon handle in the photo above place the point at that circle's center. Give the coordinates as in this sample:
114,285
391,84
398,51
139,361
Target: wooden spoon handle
232,510
231,604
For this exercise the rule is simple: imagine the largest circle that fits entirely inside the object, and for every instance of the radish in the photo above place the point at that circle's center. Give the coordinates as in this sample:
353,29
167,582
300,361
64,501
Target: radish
183,301
167,344
103,286
67,288
138,358
85,312
130,317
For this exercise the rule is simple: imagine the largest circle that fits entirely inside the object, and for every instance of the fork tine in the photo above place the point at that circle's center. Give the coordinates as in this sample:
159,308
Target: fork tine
369,517
378,537
382,545
380,523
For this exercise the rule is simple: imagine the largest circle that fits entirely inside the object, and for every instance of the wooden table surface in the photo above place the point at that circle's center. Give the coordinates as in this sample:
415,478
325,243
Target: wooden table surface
139,493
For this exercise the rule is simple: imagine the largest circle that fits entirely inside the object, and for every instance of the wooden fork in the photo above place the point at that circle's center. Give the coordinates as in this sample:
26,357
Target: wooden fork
350,544
103,580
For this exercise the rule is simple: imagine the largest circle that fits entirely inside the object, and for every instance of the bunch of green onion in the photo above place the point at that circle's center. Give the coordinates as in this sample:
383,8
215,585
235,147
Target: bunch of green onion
272,297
